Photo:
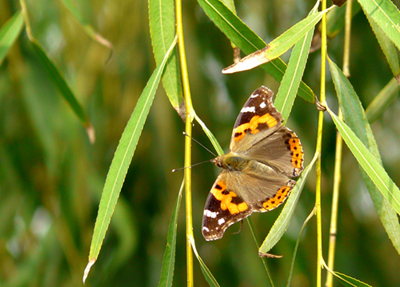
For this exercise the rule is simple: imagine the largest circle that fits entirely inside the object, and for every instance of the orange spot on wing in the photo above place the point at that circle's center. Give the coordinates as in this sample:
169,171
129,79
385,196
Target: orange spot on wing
269,120
277,199
295,147
226,199
253,125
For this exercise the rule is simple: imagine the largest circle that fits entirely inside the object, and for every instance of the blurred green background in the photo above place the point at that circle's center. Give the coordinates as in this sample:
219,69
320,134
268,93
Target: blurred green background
51,177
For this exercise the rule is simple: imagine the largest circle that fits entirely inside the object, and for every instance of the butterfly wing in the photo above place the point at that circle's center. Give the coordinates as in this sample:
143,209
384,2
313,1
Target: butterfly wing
258,132
235,195
272,153
256,121
281,150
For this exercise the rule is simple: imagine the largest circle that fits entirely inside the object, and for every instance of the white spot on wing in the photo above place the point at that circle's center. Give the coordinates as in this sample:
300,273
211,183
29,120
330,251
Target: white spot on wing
221,221
254,95
248,110
209,213
206,229
263,105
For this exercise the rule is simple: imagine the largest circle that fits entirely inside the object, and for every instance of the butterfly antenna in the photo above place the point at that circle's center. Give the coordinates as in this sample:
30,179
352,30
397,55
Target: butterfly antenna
176,169
200,144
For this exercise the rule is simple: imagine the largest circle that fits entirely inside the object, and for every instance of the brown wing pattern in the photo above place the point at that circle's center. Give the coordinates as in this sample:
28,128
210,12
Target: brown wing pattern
257,119
236,195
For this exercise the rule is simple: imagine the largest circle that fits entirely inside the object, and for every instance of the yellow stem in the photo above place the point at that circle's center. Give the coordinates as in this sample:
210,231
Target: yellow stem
188,130
319,147
347,34
338,154
335,204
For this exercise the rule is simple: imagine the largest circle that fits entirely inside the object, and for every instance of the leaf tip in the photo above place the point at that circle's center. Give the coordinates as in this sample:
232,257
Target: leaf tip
91,133
249,62
269,255
87,269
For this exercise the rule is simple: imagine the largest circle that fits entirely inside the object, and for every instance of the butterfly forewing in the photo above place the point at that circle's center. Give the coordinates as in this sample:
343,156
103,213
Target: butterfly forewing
257,119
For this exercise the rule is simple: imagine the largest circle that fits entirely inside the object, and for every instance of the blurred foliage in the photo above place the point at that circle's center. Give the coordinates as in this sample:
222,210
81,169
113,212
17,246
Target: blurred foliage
51,177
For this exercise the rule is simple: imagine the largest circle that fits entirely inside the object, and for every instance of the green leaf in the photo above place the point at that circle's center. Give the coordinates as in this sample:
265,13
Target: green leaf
387,47
121,161
381,102
369,163
355,117
230,4
244,38
335,19
349,281
162,31
210,136
85,24
291,80
9,33
386,15
285,41
168,264
278,46
282,222
63,87
204,269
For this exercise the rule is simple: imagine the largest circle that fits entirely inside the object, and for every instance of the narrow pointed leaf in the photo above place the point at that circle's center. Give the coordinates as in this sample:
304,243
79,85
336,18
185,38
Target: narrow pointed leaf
278,46
355,117
168,265
244,38
350,281
121,161
291,80
382,101
9,33
285,41
386,15
86,25
282,222
369,164
63,87
210,136
204,269
162,31
387,47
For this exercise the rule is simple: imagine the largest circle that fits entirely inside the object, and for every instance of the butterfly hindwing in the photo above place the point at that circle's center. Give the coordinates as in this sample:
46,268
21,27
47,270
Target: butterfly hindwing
281,150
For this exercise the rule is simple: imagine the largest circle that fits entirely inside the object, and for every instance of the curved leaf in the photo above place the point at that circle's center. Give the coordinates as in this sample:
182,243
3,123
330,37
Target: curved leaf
369,164
87,27
382,101
386,15
168,264
244,38
162,31
282,222
355,117
9,33
291,80
121,161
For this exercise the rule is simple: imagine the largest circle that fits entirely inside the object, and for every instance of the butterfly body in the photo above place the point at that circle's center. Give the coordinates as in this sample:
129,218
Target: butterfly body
256,173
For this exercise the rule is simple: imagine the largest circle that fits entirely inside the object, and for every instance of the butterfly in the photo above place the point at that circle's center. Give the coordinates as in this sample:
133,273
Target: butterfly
256,177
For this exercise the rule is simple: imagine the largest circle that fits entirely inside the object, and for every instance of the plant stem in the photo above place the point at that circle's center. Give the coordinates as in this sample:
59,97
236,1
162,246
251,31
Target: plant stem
338,153
347,34
319,147
188,130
